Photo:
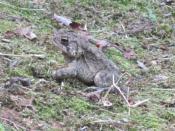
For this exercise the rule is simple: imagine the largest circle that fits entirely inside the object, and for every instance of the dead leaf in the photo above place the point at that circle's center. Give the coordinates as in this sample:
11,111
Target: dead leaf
142,65
9,34
129,54
62,20
75,25
26,32
68,22
164,47
102,43
78,26
93,96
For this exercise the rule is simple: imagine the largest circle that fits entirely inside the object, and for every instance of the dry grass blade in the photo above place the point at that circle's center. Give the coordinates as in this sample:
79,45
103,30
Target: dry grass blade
14,7
23,55
163,89
139,103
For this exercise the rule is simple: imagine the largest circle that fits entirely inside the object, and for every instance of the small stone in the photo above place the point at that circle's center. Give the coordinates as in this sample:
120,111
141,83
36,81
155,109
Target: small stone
5,40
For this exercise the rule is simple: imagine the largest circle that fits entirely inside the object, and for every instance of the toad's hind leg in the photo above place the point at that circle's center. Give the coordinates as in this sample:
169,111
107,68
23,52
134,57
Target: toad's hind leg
105,78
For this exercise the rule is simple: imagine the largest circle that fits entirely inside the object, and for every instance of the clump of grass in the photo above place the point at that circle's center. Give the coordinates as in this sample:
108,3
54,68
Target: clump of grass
147,121
1,127
168,115
124,64
23,72
6,25
54,106
79,105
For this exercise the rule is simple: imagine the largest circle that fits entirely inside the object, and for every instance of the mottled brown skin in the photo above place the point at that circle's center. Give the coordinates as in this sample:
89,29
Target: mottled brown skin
84,60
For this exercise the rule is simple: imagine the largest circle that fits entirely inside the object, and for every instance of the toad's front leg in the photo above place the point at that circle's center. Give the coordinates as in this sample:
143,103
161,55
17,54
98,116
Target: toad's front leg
66,72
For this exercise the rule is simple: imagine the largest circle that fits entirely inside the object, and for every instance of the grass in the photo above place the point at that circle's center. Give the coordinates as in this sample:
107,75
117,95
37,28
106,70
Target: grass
1,127
73,110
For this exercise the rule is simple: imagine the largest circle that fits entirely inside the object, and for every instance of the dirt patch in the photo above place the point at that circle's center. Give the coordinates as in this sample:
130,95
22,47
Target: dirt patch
135,27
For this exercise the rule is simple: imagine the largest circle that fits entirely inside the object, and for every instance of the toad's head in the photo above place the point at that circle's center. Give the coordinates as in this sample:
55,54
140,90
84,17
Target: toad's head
67,42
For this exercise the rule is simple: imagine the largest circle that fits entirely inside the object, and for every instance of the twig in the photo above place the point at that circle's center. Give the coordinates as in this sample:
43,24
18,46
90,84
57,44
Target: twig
15,125
104,98
126,98
139,103
106,121
23,55
124,29
118,88
163,89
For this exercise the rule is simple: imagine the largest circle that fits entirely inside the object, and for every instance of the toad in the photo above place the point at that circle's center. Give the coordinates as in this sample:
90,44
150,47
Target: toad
84,60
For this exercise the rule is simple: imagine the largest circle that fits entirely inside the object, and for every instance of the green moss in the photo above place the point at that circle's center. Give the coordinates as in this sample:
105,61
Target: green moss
1,127
55,56
125,64
166,27
55,106
79,105
50,110
168,115
6,25
24,72
147,120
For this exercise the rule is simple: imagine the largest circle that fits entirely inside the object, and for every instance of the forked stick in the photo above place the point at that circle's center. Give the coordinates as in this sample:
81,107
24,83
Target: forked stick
126,98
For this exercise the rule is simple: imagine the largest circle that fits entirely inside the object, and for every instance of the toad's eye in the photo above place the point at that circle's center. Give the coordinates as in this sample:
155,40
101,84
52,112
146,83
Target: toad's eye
64,40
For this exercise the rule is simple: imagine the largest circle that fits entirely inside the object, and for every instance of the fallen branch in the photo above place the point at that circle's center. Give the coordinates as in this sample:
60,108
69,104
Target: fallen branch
23,55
